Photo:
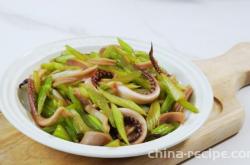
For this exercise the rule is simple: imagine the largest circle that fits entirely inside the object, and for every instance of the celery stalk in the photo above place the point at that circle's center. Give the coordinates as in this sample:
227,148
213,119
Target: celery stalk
47,86
167,104
118,118
60,132
123,102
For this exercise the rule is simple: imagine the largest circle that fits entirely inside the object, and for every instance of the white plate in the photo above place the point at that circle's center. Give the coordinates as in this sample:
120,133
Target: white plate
185,71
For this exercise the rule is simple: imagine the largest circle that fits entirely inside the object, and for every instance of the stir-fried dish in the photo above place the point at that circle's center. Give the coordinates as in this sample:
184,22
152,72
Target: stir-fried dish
112,97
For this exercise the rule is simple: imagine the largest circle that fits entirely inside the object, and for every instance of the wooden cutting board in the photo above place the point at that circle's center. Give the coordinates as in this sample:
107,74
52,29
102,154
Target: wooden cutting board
226,73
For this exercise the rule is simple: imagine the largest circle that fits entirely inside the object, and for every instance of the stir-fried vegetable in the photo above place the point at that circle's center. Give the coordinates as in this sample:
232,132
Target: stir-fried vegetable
68,125
64,58
61,133
37,81
112,97
188,106
93,122
123,102
75,53
74,100
126,47
119,123
43,94
101,102
167,104
164,129
153,115
50,129
78,123
50,107
114,143
170,87
52,66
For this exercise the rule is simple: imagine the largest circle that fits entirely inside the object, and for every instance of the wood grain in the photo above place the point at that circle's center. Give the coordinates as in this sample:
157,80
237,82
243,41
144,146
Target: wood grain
226,73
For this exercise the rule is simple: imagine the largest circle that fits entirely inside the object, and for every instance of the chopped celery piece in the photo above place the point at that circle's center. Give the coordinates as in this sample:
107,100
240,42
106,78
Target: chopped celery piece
169,86
114,143
132,86
119,122
125,46
187,105
74,100
123,102
113,69
50,129
110,52
104,86
71,133
37,81
126,77
115,53
83,91
78,123
129,75
123,144
93,122
71,106
167,104
64,58
93,55
153,115
49,108
76,53
63,89
141,56
164,129
100,102
46,87
142,82
70,129
125,55
53,66
61,133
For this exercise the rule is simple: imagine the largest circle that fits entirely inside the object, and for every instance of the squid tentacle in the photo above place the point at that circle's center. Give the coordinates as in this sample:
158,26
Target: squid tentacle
41,121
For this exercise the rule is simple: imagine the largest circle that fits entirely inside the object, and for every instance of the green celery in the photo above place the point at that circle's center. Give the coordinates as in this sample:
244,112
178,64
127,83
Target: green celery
74,100
93,122
60,132
123,102
51,66
153,115
110,52
114,143
126,77
164,129
37,81
70,129
119,122
49,108
76,53
100,102
83,91
45,89
167,104
64,58
50,129
187,105
141,56
78,123
125,46
169,86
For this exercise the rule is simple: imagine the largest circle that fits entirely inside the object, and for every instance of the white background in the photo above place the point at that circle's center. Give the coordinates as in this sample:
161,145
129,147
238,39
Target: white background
194,28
